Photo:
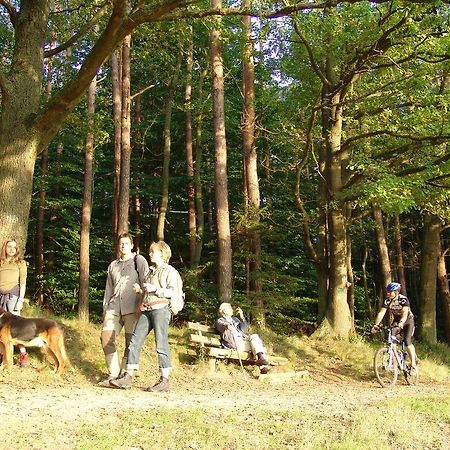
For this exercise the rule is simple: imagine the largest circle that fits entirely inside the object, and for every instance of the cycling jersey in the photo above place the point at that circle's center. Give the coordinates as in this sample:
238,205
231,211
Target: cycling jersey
396,305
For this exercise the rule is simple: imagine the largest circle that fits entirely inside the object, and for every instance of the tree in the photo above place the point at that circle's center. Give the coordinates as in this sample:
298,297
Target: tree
224,256
27,126
164,202
251,181
86,210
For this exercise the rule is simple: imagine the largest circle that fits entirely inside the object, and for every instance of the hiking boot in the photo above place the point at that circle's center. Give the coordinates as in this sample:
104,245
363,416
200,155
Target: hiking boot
262,360
23,360
162,385
123,382
264,369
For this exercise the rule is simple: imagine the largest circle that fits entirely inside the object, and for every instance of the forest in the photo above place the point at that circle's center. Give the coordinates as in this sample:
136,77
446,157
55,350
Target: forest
294,155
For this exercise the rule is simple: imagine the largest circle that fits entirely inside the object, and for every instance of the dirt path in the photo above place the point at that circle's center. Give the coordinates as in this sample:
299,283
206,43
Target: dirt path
73,403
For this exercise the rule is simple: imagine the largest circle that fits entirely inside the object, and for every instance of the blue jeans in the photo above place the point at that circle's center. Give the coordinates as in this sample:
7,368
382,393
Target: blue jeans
158,320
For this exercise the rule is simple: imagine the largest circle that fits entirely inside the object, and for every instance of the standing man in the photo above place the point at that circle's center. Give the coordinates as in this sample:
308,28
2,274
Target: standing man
121,303
161,285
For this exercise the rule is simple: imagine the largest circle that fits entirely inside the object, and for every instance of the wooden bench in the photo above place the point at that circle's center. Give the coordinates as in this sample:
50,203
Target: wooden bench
206,342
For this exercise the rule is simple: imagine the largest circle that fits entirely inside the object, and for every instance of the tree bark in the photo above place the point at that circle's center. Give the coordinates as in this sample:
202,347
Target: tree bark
86,209
444,291
125,156
224,257
40,219
198,172
399,255
192,222
338,312
164,203
116,80
428,277
383,252
251,167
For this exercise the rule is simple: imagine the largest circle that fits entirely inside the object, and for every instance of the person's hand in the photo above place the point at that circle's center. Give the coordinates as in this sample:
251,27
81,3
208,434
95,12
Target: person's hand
375,329
137,288
239,312
401,324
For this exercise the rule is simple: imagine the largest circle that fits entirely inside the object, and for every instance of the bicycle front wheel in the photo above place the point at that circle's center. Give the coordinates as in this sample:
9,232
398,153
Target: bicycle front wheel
385,367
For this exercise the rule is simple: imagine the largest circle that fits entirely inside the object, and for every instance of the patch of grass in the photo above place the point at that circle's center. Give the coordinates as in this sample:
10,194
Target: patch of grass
407,424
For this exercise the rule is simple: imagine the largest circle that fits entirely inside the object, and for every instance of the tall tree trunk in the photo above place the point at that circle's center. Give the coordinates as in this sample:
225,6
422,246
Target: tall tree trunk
167,148
20,95
86,210
444,291
399,254
383,253
428,277
116,79
323,256
125,157
365,255
137,209
192,225
40,220
224,257
338,311
251,166
198,172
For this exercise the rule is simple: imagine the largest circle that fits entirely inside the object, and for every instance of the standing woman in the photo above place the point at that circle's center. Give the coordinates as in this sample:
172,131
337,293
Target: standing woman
13,277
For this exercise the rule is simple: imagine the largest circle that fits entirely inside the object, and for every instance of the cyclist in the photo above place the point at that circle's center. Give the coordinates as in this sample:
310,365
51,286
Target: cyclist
398,305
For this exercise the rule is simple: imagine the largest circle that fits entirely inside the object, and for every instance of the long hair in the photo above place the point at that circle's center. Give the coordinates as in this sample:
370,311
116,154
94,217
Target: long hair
17,258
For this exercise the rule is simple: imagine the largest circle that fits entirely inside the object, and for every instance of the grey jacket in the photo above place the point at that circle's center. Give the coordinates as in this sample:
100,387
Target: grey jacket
119,294
231,331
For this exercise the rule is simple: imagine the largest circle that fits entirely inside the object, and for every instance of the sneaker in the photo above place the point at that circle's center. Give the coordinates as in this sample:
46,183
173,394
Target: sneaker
105,383
264,369
123,382
413,371
162,385
23,360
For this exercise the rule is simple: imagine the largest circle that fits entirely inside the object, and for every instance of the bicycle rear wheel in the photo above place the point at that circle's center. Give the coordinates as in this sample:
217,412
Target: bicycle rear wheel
385,367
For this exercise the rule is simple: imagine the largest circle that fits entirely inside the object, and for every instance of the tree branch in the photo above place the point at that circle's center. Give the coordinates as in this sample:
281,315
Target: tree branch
312,60
11,11
83,30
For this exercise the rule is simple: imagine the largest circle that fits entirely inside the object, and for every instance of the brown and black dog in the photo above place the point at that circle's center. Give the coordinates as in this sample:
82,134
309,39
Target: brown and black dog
38,332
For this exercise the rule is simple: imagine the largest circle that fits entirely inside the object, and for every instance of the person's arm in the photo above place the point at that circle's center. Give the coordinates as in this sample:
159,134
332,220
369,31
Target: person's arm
221,325
109,288
379,318
404,316
22,284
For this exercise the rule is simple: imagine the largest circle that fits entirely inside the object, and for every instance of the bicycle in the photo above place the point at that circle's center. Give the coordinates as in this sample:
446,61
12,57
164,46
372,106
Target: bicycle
388,361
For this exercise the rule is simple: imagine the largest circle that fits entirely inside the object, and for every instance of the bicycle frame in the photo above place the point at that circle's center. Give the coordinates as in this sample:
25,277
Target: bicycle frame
392,342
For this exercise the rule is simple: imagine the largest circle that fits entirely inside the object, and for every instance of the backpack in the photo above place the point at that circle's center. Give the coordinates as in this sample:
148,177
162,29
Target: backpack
176,302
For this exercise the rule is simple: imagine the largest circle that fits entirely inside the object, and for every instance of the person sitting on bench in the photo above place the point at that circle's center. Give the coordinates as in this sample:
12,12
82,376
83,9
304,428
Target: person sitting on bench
233,331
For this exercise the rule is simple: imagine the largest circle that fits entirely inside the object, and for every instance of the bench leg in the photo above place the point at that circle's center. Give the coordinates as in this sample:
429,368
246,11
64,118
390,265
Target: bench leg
212,365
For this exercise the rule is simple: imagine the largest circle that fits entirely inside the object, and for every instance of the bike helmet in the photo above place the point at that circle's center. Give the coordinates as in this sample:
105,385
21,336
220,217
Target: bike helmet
394,286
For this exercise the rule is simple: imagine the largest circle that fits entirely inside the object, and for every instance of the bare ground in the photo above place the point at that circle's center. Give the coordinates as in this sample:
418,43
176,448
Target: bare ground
67,401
